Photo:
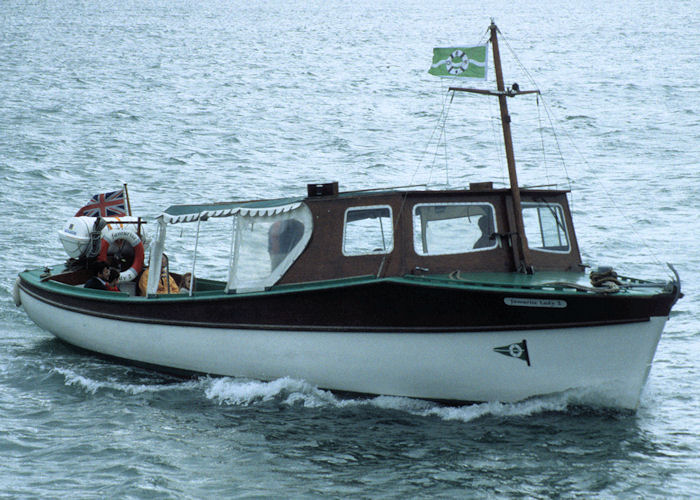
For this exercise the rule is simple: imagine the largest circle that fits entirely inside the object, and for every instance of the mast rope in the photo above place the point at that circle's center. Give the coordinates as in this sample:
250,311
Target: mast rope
444,142
430,140
442,124
498,141
556,141
544,151
549,113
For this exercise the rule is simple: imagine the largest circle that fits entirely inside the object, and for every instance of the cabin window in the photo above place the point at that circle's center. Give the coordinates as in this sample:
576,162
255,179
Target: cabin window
545,228
368,231
451,228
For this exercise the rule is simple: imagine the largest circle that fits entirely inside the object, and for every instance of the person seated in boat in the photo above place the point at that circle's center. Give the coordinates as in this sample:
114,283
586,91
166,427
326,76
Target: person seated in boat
100,278
186,283
120,254
486,238
281,238
166,284
113,283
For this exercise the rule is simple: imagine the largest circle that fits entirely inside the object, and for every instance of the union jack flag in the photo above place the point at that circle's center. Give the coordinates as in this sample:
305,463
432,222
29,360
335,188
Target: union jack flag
105,205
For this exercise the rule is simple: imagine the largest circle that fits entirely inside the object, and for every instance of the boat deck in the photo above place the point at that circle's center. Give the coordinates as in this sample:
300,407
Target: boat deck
564,283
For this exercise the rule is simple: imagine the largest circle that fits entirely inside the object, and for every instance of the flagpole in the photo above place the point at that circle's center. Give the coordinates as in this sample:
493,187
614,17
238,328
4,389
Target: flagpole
128,204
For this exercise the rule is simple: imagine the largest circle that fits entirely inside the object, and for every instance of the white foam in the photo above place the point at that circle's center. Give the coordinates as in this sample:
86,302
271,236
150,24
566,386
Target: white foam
291,391
495,408
91,385
294,392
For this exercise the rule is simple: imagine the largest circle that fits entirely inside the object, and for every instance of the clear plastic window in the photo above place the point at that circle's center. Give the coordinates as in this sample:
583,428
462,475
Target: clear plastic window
264,247
451,228
368,230
545,228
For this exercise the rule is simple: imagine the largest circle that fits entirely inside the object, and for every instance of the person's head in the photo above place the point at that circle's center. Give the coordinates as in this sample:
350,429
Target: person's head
164,261
485,225
101,270
186,280
113,277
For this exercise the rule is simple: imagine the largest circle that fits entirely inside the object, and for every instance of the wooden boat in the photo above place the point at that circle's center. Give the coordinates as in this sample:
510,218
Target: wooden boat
468,295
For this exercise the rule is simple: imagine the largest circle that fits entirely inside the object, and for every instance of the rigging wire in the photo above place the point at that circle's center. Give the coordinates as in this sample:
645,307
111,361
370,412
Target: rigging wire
441,123
601,186
544,151
556,141
430,140
498,140
545,106
444,138
611,199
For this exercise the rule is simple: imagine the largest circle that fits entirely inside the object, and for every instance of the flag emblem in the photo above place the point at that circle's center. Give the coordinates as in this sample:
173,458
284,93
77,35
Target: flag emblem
515,350
465,62
105,205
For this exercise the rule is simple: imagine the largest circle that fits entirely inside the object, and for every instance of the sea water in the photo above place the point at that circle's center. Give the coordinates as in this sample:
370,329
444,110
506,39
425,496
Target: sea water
218,100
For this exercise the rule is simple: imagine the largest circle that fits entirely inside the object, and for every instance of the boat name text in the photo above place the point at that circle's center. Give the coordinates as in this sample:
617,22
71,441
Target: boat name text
523,302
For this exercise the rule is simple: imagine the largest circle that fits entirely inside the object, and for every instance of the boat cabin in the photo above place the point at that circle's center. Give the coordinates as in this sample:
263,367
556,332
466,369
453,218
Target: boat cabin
332,235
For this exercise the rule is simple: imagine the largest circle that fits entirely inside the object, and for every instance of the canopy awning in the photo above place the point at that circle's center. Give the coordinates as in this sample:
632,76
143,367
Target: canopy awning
191,213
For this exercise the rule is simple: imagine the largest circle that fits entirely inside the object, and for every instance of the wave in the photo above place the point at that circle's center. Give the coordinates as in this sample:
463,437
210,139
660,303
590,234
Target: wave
287,391
93,385
294,392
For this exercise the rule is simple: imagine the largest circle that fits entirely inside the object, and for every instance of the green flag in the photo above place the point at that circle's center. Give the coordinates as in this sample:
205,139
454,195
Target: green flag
469,62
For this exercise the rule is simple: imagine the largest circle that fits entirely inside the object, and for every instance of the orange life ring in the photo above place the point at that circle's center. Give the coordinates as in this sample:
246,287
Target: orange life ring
110,235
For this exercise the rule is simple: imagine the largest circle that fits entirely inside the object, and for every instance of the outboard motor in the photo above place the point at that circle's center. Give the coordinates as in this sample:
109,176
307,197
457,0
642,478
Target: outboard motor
81,236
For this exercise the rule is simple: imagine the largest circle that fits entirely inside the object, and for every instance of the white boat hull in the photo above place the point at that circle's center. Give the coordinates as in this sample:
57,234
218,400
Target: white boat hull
609,364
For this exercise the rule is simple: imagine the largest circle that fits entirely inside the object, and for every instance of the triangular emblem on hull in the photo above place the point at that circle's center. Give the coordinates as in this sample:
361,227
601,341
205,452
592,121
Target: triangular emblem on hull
515,350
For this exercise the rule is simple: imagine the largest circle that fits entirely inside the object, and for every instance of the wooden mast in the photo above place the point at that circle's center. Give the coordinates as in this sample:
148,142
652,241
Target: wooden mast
521,255
524,264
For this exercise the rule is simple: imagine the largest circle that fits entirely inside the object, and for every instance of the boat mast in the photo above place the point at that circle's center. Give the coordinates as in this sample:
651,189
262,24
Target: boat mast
521,256
510,157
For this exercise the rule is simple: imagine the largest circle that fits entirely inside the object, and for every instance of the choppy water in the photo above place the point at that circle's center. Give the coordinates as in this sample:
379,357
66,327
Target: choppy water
194,101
